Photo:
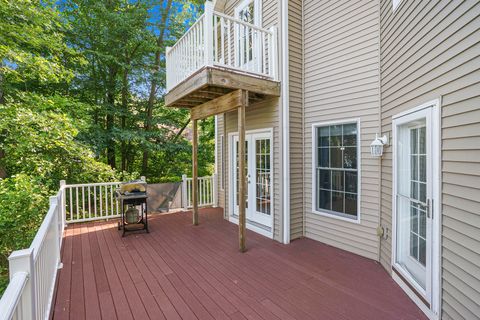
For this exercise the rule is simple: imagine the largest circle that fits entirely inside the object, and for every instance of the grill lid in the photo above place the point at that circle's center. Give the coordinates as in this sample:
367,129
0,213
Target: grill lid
133,187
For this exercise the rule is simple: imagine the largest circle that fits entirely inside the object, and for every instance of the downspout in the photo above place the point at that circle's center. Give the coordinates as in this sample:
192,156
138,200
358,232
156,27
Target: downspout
285,124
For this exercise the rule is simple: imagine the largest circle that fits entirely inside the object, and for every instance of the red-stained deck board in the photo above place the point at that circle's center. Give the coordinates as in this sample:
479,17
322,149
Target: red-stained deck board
179,271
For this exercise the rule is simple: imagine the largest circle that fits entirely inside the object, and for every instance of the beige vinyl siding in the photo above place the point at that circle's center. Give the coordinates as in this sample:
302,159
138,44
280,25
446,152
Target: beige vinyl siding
342,82
221,160
430,50
261,115
295,40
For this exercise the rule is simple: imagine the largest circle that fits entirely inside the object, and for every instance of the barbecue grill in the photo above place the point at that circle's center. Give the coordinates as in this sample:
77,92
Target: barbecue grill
133,194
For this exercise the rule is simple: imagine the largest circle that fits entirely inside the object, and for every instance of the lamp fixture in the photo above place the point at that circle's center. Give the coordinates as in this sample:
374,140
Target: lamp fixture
376,147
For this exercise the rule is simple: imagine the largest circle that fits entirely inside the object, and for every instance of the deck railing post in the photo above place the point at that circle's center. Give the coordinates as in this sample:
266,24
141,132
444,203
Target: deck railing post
58,233
22,261
208,33
63,212
184,193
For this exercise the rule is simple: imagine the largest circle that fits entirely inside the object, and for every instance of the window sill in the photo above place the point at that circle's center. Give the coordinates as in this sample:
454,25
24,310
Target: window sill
336,216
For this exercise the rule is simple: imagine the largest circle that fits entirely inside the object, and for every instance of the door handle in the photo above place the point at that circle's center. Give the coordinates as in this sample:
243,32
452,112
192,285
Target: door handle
429,208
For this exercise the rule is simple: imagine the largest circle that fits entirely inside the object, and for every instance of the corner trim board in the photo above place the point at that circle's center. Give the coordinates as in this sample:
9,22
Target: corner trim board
285,124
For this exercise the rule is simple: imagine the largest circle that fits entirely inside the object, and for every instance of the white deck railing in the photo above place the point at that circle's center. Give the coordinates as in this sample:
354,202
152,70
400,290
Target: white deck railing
33,271
216,39
207,192
91,201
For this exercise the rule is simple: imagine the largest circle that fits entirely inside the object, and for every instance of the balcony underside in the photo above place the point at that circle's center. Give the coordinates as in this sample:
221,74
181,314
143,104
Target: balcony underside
210,83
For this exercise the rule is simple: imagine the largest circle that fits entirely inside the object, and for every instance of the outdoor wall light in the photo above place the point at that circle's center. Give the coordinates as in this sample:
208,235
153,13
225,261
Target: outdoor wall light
376,147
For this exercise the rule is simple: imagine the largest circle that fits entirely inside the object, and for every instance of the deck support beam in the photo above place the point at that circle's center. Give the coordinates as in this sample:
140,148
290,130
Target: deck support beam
195,172
227,102
242,183
237,99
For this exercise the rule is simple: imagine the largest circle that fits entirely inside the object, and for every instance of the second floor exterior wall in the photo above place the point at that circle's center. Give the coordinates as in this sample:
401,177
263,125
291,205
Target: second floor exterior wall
341,83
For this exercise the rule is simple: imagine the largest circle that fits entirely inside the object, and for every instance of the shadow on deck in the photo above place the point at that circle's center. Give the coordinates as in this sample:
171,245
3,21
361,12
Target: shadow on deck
183,272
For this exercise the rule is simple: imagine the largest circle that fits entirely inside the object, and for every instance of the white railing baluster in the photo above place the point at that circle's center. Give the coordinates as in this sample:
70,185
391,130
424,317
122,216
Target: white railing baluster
101,201
83,202
111,200
76,202
89,203
71,205
95,200
215,40
106,201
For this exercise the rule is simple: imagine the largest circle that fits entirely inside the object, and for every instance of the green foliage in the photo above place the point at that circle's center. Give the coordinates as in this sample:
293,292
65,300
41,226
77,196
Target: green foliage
40,142
33,53
23,204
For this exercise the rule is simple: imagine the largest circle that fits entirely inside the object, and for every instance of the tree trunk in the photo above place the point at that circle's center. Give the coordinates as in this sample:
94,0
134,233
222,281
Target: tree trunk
123,147
111,159
153,87
3,171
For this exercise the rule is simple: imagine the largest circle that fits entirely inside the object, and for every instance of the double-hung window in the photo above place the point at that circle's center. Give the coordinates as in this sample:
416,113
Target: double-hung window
336,169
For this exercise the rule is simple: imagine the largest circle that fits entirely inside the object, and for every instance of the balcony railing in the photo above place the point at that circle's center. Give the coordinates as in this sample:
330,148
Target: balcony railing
216,39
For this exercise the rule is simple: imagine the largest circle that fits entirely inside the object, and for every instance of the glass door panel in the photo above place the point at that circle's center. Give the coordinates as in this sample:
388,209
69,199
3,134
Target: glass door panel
236,173
263,176
413,225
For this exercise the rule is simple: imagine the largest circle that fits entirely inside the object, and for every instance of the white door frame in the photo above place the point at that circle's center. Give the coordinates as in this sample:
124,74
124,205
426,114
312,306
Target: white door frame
231,181
435,277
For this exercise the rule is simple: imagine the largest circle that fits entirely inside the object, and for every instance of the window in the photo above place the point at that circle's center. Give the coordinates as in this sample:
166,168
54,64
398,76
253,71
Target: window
336,183
395,4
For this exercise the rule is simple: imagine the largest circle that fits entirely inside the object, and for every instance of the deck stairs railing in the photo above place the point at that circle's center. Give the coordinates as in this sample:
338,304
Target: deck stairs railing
33,271
216,39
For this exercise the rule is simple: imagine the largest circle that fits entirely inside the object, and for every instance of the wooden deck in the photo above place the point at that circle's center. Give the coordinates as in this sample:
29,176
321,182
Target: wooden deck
183,272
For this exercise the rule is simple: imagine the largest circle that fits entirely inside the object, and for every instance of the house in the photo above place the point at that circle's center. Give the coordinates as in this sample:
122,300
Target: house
317,82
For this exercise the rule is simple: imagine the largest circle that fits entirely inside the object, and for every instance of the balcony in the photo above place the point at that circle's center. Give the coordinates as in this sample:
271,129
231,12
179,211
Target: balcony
220,54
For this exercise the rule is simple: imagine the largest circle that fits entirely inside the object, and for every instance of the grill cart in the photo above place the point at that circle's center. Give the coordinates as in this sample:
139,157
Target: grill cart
133,195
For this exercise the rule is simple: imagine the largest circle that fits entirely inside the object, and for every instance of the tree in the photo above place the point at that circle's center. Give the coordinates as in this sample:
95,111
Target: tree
33,53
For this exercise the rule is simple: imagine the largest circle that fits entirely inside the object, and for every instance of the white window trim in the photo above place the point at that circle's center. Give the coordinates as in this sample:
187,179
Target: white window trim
359,166
222,162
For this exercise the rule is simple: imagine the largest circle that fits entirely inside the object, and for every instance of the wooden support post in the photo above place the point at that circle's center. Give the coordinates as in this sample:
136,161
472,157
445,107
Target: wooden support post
195,173
242,185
